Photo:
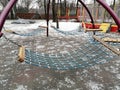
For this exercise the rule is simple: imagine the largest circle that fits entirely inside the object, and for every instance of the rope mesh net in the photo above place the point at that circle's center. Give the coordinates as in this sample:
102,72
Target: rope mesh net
8,52
61,52
81,58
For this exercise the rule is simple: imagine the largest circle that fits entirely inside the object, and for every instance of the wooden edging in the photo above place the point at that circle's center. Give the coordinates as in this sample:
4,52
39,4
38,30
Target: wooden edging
108,39
107,46
88,30
43,26
10,31
21,54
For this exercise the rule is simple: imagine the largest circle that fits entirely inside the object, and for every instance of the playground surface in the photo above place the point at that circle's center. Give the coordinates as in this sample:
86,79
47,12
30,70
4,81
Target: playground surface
21,76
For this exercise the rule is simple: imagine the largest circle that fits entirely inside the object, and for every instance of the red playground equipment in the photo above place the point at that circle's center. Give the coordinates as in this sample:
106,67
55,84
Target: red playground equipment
67,15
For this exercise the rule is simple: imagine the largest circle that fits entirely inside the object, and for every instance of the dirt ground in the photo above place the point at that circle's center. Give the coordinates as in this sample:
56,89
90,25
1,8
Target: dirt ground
21,76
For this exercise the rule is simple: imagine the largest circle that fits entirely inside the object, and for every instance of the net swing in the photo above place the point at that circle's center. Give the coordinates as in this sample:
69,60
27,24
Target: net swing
83,55
71,60
61,52
70,52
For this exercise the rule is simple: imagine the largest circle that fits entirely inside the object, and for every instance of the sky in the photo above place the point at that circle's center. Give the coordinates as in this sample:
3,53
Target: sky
108,1
88,1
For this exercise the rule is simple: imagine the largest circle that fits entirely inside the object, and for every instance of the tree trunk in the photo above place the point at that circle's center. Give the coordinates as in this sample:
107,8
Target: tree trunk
77,7
94,10
57,22
13,12
45,8
114,5
54,10
98,11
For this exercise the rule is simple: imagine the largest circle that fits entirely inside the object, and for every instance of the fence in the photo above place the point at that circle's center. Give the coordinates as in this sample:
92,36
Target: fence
98,13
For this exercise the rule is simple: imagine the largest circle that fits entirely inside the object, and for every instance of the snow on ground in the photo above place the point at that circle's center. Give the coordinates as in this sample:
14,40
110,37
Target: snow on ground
23,27
21,76
68,26
65,26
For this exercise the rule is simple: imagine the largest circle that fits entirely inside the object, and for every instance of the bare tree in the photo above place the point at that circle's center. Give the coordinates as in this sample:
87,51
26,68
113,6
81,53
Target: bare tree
4,2
12,13
24,5
54,10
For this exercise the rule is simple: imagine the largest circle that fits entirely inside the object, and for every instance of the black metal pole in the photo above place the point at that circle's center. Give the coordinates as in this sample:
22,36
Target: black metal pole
57,21
92,21
48,7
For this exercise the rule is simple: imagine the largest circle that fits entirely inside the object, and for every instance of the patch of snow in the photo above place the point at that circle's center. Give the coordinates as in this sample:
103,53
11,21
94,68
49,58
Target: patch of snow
94,85
44,82
114,69
62,84
4,82
68,26
41,46
118,76
27,75
23,27
64,52
69,81
21,87
117,88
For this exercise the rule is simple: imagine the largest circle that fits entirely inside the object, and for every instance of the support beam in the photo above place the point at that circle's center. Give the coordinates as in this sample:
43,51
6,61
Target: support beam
107,46
21,54
108,39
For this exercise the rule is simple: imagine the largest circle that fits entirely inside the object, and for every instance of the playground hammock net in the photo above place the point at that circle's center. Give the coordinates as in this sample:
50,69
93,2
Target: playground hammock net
59,51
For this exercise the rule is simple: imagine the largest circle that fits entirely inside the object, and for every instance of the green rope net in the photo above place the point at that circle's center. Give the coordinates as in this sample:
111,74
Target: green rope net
84,56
